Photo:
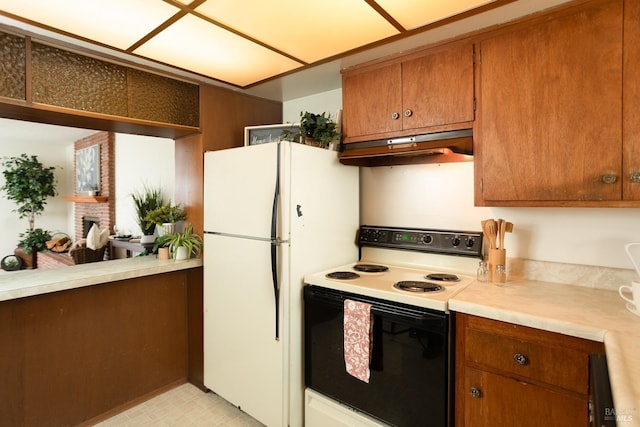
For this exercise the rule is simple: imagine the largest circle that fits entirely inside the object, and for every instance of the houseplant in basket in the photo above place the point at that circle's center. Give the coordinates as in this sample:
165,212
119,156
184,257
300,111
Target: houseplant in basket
165,218
145,201
29,183
318,129
181,245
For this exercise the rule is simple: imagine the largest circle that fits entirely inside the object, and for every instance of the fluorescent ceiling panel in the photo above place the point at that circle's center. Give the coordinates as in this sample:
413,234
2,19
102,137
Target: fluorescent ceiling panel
305,29
193,44
412,14
117,23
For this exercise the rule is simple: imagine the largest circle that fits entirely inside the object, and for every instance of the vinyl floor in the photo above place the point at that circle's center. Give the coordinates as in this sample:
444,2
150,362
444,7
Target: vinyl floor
185,405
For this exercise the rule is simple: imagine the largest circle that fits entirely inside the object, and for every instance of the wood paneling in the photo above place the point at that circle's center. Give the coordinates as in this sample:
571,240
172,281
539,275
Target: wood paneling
195,371
70,356
223,116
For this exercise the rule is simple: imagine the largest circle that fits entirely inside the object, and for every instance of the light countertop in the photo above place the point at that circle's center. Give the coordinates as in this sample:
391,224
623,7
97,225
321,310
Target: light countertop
25,283
594,314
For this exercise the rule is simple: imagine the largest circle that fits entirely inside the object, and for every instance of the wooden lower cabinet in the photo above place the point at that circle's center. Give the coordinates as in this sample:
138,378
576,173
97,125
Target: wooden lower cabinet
511,375
73,357
503,401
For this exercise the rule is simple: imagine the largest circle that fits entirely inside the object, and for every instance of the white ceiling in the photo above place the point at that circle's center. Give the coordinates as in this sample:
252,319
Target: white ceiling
311,79
240,43
17,132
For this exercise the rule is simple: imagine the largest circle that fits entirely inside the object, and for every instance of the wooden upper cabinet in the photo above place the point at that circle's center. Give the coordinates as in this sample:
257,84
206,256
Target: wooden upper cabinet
369,101
631,93
549,128
412,94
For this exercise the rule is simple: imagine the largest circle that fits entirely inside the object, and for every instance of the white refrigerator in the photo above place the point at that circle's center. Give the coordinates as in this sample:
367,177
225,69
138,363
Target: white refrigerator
272,213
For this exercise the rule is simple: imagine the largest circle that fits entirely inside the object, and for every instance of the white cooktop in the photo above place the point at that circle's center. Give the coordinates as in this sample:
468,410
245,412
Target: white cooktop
380,285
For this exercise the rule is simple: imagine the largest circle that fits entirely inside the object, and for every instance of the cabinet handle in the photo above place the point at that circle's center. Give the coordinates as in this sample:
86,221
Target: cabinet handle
395,116
475,392
408,113
609,179
520,359
635,177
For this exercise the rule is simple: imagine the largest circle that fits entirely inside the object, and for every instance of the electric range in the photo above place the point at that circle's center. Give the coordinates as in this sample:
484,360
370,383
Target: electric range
404,279
420,267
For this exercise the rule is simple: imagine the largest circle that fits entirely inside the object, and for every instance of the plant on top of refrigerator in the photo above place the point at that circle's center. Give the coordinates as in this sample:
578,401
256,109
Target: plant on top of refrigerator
320,127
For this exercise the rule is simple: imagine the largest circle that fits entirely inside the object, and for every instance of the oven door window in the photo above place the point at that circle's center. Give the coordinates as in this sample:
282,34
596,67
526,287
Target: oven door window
409,382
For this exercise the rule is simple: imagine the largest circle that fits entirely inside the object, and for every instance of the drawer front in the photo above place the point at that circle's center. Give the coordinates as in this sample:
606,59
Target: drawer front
539,362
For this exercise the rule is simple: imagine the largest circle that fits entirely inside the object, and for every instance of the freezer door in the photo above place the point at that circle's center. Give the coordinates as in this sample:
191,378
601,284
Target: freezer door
239,187
243,362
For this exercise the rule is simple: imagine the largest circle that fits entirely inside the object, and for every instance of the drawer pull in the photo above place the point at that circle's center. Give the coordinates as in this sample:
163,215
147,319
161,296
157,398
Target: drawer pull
395,116
475,392
520,359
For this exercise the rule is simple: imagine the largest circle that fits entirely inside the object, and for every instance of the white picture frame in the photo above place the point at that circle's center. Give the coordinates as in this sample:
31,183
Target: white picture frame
88,170
256,135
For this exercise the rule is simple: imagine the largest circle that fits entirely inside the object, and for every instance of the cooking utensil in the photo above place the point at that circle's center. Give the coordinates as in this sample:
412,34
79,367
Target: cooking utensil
502,228
490,229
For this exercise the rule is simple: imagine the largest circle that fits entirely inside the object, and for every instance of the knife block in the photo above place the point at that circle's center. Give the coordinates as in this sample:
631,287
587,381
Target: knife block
496,257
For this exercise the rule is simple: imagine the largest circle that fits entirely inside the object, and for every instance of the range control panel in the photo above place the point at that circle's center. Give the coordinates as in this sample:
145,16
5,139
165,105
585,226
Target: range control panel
467,243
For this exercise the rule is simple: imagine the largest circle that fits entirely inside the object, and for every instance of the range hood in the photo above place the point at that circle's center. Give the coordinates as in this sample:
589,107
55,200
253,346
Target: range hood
439,147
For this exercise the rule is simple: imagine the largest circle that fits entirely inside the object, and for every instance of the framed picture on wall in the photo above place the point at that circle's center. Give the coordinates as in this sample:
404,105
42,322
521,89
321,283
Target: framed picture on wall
88,170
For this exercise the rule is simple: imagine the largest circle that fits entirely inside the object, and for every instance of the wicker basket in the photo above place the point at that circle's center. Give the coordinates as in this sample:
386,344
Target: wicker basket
83,255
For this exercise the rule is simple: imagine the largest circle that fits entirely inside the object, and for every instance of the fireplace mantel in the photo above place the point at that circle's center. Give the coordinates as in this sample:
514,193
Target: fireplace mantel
87,199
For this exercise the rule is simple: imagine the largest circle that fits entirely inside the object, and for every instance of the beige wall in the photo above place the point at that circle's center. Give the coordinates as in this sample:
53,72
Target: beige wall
441,196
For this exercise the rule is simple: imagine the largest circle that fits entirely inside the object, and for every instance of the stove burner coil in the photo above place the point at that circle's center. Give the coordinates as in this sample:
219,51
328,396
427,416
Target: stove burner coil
417,286
343,275
442,277
370,268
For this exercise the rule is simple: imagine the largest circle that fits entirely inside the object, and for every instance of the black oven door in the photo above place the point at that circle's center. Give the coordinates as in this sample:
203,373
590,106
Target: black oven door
409,383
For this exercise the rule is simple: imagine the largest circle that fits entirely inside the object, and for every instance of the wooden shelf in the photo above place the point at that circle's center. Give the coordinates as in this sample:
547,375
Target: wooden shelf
87,199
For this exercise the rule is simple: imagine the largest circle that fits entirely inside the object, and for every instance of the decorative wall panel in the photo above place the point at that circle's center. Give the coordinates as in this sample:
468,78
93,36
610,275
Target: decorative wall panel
161,99
12,66
66,79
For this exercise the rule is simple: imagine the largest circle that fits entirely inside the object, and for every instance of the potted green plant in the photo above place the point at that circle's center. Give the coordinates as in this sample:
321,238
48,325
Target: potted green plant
165,217
319,128
181,245
145,201
29,183
34,240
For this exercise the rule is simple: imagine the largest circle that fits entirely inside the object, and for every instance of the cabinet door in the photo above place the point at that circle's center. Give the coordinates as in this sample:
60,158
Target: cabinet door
631,90
551,110
437,89
492,400
372,101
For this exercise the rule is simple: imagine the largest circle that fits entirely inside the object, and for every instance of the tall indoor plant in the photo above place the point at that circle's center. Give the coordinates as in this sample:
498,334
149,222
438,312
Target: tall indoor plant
147,200
28,183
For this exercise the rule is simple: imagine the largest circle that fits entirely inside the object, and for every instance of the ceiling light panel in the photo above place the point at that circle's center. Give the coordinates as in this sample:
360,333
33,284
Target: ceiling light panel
194,44
117,23
308,30
413,14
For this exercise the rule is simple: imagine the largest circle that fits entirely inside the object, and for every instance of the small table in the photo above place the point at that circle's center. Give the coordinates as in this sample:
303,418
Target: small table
130,245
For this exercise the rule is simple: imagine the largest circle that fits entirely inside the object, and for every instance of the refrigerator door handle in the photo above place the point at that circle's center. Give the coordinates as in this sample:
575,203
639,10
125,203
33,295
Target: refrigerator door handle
274,243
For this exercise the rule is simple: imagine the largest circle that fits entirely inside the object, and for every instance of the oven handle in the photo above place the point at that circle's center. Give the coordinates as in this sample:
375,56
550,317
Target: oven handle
384,308
423,319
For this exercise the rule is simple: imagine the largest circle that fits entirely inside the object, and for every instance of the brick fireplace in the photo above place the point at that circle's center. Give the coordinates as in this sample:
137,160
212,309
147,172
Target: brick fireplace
89,210
100,212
